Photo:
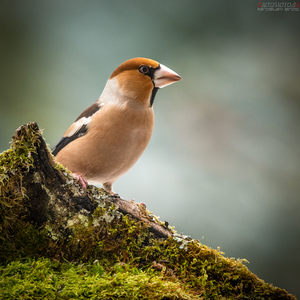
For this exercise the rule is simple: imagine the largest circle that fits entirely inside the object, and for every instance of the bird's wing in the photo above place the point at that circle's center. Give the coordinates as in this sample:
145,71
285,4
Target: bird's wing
78,128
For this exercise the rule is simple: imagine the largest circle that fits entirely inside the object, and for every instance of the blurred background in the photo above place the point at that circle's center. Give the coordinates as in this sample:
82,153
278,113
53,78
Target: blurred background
223,164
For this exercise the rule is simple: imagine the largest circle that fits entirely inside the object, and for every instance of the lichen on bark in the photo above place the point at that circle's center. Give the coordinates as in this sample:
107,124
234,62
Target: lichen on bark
90,244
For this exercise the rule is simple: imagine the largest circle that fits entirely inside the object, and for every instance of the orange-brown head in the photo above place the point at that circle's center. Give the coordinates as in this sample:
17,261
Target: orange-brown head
139,78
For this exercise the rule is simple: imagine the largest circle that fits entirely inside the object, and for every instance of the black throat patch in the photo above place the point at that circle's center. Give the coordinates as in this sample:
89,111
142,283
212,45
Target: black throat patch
154,91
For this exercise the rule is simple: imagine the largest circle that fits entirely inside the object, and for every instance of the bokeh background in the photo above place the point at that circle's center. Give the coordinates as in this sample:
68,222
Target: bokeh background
223,164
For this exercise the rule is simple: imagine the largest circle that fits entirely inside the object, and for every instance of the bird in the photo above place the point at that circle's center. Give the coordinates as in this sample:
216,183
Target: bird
108,138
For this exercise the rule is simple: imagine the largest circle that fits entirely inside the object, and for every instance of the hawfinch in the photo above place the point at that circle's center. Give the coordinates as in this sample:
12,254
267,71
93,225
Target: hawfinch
108,138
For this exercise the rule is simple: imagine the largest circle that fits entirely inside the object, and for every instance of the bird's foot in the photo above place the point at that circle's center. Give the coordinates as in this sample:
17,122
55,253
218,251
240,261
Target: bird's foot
81,180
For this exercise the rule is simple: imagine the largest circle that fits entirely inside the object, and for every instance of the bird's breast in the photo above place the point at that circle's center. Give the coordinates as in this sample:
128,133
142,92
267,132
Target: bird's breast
122,125
119,137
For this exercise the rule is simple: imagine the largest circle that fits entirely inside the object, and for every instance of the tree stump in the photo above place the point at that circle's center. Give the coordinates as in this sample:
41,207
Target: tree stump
45,214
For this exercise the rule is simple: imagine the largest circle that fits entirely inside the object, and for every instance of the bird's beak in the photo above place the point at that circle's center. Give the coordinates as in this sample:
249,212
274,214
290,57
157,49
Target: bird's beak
164,76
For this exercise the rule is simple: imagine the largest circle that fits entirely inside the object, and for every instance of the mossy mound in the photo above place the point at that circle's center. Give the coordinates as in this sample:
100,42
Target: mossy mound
48,279
59,242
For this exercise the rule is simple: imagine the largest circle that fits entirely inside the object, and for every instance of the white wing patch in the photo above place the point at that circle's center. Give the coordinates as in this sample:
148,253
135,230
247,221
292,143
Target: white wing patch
76,126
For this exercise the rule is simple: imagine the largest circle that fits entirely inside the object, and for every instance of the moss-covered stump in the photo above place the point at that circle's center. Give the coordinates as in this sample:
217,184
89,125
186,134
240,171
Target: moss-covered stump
60,242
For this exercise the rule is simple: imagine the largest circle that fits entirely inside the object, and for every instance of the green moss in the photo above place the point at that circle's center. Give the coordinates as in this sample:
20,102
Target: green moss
49,279
14,163
55,261
105,234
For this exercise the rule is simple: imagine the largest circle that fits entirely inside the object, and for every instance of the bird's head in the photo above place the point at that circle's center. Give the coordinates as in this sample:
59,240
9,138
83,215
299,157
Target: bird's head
138,80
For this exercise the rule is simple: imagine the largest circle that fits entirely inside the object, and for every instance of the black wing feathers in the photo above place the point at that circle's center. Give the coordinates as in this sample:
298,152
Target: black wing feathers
66,140
82,130
89,111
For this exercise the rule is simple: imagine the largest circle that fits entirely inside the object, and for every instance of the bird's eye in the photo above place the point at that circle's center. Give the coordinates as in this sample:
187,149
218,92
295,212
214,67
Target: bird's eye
144,69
